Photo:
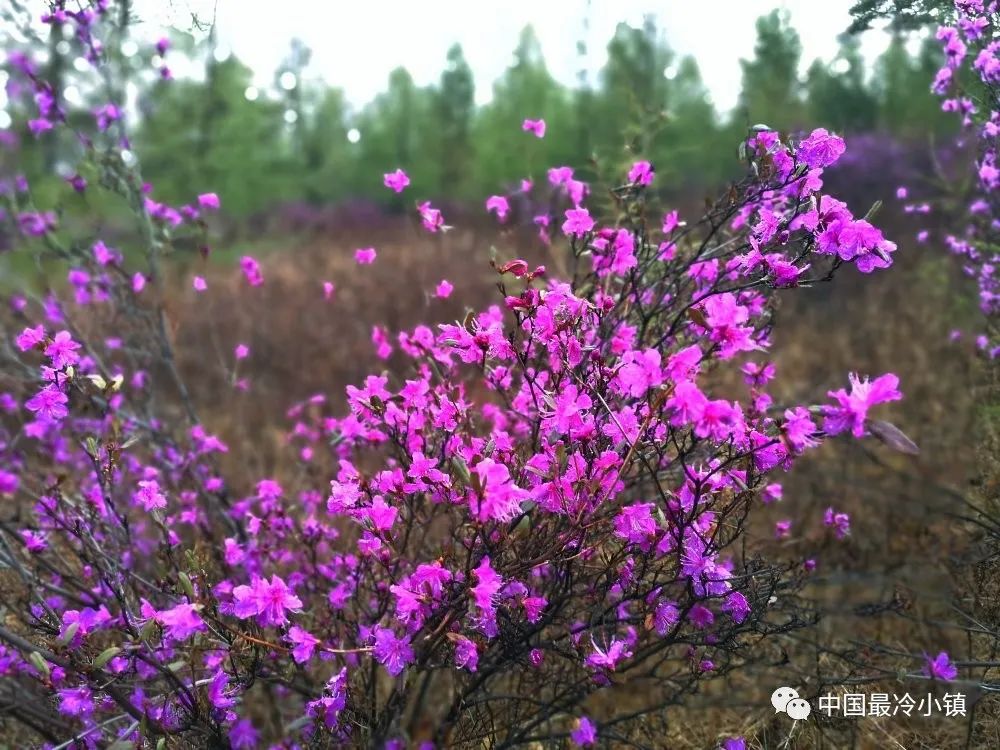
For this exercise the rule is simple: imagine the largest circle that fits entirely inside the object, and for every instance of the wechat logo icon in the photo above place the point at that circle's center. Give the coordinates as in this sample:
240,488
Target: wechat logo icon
787,700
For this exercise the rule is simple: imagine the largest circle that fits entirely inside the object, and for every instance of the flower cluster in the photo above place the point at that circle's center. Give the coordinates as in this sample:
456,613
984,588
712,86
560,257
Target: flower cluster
546,498
969,84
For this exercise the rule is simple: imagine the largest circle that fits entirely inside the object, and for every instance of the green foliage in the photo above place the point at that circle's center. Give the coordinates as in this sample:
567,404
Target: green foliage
526,90
902,15
395,130
291,144
772,91
454,108
905,105
206,135
838,95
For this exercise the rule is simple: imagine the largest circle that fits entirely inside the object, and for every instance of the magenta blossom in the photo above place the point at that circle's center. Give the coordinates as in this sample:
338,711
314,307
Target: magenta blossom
251,270
62,350
608,658
535,127
149,495
499,205
821,148
392,652
852,409
430,217
209,201
181,622
396,181
466,654
578,222
365,256
268,601
585,734
303,642
49,403
29,338
641,173
940,667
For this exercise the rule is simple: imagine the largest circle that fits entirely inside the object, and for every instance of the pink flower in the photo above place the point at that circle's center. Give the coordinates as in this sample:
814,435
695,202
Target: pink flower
502,498
242,351
535,127
940,667
799,429
62,350
841,522
76,701
701,616
671,221
687,402
852,409
397,180
383,349
209,201
641,173
39,125
33,542
243,735
251,270
821,148
391,652
268,601
466,654
49,403
578,222
106,115
585,734
104,255
181,622
443,289
328,289
29,338
199,284
499,205
365,256
304,644
608,659
138,282
635,523
665,617
737,606
381,515
560,175
430,217
488,585
567,415
149,495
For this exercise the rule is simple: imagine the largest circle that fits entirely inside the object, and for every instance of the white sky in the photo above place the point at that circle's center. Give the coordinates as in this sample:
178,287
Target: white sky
356,43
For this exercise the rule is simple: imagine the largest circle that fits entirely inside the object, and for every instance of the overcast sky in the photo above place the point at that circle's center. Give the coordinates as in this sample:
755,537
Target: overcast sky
356,43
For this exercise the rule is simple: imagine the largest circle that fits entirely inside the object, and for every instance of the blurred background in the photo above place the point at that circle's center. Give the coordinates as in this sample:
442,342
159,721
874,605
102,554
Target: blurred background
289,111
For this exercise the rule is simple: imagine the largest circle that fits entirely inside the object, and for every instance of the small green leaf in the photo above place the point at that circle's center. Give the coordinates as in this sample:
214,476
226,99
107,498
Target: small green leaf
105,656
40,664
71,631
186,584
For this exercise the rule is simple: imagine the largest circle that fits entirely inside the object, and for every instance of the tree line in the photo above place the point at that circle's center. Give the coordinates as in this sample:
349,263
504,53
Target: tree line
301,140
